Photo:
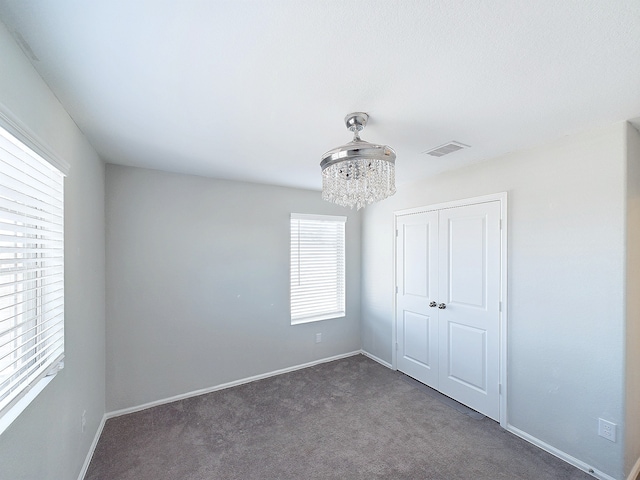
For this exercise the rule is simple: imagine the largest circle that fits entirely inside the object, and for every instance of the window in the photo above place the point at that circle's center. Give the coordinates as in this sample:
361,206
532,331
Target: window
317,267
31,275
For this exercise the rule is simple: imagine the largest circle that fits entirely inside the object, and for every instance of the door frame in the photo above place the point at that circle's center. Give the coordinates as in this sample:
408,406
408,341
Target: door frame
502,198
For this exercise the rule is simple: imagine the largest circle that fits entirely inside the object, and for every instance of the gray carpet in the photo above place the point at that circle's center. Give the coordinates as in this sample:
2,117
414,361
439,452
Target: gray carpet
348,419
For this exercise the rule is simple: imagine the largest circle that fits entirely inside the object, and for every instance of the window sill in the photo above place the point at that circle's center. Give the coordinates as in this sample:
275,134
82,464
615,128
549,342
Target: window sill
318,318
13,413
21,405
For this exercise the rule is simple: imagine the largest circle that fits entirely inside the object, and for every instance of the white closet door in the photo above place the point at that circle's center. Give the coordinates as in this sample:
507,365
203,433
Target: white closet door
417,281
448,302
469,286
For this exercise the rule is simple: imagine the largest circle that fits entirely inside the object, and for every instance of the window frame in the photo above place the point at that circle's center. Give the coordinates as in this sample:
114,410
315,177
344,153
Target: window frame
322,304
43,307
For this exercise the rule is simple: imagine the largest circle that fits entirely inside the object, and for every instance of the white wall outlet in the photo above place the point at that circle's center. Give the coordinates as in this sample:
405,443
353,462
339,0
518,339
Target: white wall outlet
607,429
318,337
83,421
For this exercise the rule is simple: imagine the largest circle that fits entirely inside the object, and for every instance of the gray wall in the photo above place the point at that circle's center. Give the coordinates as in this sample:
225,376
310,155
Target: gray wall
198,284
565,283
632,404
46,441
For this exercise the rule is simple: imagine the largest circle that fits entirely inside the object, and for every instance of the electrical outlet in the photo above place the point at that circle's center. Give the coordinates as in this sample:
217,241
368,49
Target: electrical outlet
607,429
83,421
318,337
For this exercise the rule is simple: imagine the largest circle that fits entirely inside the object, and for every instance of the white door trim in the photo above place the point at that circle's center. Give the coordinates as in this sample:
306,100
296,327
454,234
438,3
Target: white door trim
502,198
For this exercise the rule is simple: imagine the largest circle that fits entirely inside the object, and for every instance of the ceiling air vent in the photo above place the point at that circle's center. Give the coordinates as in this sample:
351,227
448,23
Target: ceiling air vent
446,149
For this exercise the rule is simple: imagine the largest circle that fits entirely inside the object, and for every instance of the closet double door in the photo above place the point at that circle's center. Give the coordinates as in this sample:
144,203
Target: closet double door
448,302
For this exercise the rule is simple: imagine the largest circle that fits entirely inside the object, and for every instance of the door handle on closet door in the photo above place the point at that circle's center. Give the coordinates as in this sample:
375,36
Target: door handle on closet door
442,306
432,304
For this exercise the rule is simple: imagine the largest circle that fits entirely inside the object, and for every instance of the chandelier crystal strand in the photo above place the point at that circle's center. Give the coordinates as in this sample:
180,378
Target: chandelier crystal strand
358,173
358,182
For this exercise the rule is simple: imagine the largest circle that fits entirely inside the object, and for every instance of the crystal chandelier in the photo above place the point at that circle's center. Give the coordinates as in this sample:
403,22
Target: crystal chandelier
358,173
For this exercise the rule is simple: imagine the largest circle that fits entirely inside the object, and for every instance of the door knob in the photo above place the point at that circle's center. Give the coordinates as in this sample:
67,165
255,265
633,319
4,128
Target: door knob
442,306
432,304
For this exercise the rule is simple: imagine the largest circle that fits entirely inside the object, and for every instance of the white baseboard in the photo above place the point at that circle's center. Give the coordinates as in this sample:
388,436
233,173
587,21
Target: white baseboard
635,471
376,359
222,386
92,449
559,453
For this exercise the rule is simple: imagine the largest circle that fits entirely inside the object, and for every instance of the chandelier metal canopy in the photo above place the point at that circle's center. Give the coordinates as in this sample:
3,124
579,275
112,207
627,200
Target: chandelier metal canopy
358,173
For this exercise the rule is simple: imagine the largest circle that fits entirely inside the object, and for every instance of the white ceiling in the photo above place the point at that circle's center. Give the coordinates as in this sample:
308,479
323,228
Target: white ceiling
257,90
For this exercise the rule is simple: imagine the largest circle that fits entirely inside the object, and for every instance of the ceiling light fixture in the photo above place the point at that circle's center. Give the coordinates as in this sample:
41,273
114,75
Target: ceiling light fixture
358,173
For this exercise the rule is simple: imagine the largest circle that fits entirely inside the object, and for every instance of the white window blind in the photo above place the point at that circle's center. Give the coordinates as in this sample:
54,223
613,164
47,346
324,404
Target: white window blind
31,271
317,267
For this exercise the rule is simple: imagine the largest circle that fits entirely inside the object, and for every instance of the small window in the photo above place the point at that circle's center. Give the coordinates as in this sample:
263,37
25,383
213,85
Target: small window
317,267
31,275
